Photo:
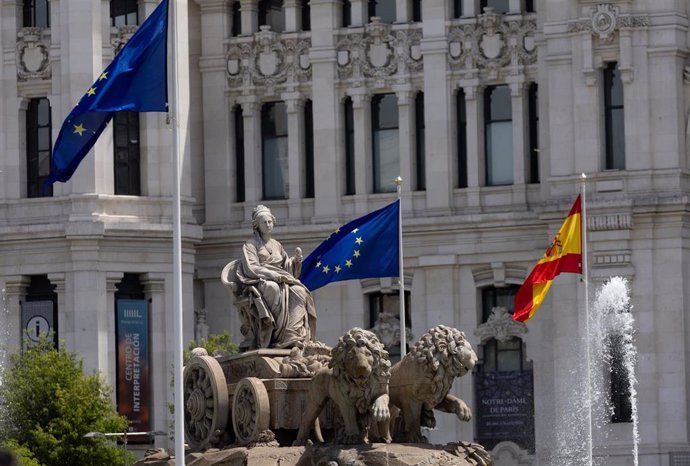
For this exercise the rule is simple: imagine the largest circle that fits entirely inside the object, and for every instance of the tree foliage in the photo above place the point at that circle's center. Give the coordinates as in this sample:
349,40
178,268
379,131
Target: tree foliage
215,342
50,404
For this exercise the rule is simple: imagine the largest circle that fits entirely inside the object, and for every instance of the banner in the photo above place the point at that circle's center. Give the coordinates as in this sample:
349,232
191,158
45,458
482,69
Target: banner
133,380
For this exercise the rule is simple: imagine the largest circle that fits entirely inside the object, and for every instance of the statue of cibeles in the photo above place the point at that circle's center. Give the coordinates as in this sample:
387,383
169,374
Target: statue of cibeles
276,309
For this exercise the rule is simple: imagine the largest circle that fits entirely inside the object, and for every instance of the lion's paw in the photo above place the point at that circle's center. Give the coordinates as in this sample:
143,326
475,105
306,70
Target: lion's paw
463,411
380,410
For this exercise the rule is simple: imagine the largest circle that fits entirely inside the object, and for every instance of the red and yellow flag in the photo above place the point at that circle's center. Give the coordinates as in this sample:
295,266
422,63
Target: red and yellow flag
564,255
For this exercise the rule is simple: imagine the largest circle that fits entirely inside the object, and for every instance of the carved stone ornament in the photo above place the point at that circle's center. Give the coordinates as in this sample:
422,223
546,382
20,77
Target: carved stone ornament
500,326
268,61
120,35
605,20
493,43
379,53
33,60
387,328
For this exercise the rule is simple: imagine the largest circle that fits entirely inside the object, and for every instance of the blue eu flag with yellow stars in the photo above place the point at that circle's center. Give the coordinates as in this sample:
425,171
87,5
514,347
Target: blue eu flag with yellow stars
136,80
367,247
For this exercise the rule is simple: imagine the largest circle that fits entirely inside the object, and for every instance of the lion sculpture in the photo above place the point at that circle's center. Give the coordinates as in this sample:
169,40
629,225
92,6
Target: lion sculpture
421,381
356,379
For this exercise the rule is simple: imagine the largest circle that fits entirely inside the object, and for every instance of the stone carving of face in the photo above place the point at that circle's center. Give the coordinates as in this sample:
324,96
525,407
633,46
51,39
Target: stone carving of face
265,224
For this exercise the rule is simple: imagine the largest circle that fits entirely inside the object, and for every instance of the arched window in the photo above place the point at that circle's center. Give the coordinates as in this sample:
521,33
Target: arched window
127,154
38,147
274,150
498,130
385,142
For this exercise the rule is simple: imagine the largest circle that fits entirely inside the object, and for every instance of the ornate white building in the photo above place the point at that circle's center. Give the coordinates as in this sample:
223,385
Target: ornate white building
489,110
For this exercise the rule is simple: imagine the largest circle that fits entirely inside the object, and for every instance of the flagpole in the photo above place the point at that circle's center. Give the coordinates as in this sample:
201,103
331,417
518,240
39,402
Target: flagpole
585,276
401,275
177,250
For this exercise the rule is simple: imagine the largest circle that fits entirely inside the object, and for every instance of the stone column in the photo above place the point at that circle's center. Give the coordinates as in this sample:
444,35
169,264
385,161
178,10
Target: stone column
361,104
15,293
359,13
476,163
111,281
515,7
250,16
406,136
251,112
296,166
403,11
58,279
519,109
293,15
470,8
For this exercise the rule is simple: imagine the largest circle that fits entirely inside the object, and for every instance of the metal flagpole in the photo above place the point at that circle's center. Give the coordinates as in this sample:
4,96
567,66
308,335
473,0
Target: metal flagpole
177,249
585,275
403,328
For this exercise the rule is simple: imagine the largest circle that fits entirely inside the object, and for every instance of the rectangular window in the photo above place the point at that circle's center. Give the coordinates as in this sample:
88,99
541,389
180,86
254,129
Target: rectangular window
384,9
529,6
461,115
347,13
236,19
533,115
124,13
614,117
498,131
384,311
417,11
309,149
457,8
36,13
271,14
420,141
349,147
274,150
385,142
306,16
500,355
127,153
239,154
38,147
500,6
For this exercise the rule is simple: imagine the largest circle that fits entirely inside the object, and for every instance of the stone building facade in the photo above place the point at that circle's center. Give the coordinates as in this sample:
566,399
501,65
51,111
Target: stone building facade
488,109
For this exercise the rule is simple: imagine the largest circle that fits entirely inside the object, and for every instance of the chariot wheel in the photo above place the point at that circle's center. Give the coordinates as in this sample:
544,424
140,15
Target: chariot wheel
206,402
251,411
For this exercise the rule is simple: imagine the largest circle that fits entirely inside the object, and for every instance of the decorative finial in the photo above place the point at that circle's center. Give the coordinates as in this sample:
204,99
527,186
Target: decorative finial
398,181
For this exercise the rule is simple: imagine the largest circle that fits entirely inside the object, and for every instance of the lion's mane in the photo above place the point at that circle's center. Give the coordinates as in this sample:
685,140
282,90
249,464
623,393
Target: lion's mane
361,394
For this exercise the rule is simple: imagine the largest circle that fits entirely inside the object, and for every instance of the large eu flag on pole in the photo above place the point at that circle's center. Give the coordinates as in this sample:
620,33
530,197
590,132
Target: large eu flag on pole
136,80
366,247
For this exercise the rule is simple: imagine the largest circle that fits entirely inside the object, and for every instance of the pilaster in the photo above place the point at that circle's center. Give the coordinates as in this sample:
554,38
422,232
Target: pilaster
296,156
359,15
361,105
251,112
111,281
476,164
15,292
470,8
403,11
58,280
293,17
250,16
520,163
406,135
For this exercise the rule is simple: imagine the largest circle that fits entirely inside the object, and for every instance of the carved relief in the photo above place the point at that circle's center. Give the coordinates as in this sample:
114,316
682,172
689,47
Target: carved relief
387,329
268,61
33,61
492,43
379,52
500,326
605,20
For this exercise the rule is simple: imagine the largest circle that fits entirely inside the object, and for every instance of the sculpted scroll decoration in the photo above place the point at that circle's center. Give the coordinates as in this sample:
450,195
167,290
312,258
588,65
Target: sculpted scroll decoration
605,20
33,60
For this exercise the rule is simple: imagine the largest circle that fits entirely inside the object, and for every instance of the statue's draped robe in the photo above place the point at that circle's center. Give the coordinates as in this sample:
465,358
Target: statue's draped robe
285,314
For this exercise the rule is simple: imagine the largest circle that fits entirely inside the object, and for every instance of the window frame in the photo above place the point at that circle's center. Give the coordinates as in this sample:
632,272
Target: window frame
270,132
272,15
612,77
349,140
489,120
533,131
377,102
308,149
30,13
129,123
420,140
238,124
34,179
124,9
461,124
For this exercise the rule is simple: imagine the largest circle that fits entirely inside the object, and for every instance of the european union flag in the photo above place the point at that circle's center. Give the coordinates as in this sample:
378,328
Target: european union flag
366,247
136,80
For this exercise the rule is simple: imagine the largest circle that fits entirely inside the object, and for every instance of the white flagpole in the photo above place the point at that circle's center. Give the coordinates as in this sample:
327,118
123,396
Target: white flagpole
177,249
403,328
585,276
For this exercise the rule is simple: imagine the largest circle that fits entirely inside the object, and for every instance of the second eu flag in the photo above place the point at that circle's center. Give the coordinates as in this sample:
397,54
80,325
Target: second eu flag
366,247
136,80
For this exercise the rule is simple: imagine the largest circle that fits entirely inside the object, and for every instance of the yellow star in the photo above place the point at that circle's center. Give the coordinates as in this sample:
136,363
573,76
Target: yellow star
318,264
79,129
348,263
103,76
326,269
338,269
359,240
355,230
356,254
91,91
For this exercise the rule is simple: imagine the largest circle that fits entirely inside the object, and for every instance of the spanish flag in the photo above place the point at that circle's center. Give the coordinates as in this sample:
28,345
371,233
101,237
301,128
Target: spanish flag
564,255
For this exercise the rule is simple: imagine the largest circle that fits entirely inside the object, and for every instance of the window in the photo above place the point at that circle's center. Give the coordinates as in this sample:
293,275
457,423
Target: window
36,13
274,141
124,12
500,355
38,147
385,142
500,6
309,149
529,6
620,383
417,11
419,141
498,130
349,147
461,116
236,20
457,8
613,115
271,14
239,154
40,311
306,15
347,13
127,156
533,115
386,307
384,9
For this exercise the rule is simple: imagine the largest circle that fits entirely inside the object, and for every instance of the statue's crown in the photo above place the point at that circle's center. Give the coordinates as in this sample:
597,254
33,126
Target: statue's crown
260,209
